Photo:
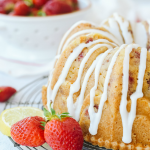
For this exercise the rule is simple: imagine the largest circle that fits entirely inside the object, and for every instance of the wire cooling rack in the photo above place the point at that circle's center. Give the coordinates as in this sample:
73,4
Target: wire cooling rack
30,95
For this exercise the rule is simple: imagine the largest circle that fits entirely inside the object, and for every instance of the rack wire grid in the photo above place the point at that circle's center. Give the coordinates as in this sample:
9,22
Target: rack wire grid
30,95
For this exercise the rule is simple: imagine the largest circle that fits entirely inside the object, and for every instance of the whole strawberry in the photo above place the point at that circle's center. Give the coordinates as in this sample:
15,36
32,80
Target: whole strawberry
2,11
6,93
34,11
62,132
57,7
28,132
39,3
7,6
21,8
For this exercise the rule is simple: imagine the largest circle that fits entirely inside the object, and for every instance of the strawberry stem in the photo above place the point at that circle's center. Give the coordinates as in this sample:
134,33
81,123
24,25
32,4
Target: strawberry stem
43,125
28,2
52,114
41,13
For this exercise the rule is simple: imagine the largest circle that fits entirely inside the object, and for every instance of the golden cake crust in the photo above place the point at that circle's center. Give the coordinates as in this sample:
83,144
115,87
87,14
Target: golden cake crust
107,131
80,27
63,92
110,127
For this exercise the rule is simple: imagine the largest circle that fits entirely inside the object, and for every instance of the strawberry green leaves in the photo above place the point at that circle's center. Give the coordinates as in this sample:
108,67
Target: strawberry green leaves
52,114
41,13
63,115
28,2
46,113
43,123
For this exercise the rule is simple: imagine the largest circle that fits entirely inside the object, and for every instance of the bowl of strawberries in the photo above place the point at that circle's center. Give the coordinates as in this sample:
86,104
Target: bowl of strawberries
30,30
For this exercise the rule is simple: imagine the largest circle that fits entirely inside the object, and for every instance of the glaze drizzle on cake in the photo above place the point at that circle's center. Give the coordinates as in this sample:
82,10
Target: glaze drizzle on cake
94,60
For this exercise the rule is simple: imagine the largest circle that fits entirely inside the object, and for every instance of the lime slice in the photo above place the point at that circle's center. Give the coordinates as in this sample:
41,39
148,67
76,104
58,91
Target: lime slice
10,116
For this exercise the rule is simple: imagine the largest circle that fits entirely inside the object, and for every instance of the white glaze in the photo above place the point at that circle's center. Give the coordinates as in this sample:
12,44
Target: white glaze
106,34
49,90
69,31
103,22
140,35
67,66
85,81
128,118
95,117
74,109
148,31
124,28
113,28
53,63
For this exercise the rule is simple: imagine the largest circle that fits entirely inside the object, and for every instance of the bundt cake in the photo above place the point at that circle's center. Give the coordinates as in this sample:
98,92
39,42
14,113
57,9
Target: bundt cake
102,78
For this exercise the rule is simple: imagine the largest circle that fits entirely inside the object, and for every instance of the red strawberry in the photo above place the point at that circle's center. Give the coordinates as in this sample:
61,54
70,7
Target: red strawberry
57,7
34,11
39,3
21,9
72,3
62,132
28,132
2,11
89,40
75,4
6,6
6,93
75,1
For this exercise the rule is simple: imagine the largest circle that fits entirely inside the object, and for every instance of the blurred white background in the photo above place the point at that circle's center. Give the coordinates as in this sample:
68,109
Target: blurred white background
134,10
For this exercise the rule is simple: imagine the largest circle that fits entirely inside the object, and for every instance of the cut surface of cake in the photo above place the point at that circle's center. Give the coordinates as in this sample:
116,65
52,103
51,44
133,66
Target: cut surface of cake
101,76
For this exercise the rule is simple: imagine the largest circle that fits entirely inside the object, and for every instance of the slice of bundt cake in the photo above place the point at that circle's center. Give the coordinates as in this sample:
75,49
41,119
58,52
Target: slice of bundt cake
103,81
